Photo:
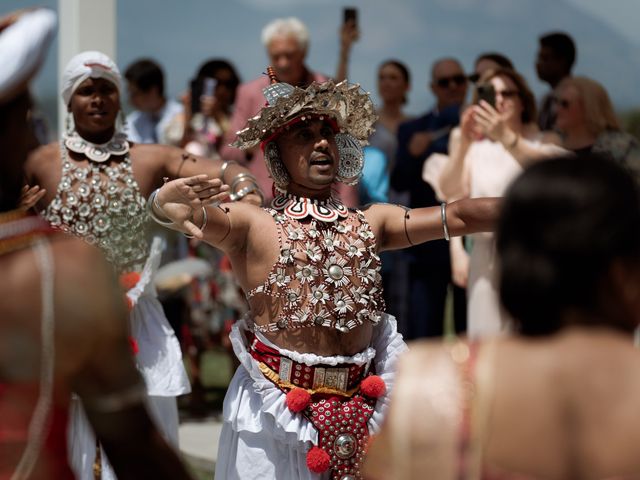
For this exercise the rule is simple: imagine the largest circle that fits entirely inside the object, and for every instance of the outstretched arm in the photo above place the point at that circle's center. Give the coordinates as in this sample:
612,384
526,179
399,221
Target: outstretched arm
191,205
399,227
242,184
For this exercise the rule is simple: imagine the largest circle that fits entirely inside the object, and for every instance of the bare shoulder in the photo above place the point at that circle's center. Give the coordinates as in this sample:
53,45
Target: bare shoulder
376,209
430,356
42,156
377,213
149,151
254,217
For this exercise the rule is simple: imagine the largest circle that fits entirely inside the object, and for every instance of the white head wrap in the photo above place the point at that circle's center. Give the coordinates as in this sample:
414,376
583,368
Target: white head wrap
23,47
88,65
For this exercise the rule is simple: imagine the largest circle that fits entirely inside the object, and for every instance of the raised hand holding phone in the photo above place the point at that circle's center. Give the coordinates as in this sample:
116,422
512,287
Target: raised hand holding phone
349,31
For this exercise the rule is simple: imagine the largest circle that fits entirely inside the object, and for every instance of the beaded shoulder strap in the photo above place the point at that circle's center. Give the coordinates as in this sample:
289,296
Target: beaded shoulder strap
40,419
281,236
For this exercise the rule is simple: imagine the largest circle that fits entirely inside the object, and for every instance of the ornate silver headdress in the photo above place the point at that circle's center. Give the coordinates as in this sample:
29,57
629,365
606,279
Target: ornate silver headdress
348,105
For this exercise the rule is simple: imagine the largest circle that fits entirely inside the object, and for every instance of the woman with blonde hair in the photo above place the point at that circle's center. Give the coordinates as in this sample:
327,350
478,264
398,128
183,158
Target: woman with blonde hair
588,123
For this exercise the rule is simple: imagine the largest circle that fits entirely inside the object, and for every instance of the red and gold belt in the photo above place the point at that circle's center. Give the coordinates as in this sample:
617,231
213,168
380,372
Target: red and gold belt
334,380
337,400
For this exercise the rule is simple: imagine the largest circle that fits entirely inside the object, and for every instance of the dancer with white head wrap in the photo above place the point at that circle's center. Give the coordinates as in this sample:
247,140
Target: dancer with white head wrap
96,186
43,313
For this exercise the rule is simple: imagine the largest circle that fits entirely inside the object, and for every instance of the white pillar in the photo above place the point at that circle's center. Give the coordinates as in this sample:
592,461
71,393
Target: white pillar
84,25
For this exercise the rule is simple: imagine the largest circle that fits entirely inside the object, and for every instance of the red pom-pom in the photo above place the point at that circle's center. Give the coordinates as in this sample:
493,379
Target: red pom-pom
134,345
318,460
298,399
129,280
373,386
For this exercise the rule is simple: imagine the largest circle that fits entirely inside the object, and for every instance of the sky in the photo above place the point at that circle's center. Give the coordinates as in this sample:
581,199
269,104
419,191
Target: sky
622,15
181,35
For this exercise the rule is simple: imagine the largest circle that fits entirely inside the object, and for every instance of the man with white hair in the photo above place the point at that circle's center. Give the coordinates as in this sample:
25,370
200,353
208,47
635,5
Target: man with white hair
287,43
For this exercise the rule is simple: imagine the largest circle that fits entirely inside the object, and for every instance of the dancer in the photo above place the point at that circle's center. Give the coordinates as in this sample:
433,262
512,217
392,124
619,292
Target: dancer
317,350
56,290
96,186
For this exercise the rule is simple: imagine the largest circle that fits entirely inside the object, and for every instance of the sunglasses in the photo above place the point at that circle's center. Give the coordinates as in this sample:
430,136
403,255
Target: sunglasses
561,102
456,80
507,93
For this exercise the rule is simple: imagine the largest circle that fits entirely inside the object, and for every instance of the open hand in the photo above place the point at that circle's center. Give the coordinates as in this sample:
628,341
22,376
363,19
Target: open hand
30,196
179,199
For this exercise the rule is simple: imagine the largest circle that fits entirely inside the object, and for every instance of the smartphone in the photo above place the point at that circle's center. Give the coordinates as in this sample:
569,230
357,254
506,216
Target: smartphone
350,14
487,93
200,87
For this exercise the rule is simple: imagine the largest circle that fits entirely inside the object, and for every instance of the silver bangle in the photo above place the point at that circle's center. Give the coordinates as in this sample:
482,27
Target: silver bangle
204,222
244,191
152,206
242,177
443,215
224,168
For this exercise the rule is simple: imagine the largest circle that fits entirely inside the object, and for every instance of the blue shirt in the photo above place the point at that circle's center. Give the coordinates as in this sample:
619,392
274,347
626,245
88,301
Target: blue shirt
374,184
145,127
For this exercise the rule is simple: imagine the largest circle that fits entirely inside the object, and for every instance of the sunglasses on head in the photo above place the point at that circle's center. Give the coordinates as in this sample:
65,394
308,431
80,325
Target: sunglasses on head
456,80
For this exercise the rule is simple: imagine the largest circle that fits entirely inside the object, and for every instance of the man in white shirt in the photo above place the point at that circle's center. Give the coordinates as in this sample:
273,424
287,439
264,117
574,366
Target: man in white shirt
148,123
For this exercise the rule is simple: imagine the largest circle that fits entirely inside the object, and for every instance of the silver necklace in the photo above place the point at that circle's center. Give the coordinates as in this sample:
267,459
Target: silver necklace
118,145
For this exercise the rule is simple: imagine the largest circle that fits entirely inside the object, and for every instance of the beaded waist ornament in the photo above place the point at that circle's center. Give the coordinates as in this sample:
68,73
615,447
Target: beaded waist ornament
339,406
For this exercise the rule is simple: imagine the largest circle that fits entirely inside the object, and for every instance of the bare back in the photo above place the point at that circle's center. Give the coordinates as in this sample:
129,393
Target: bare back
555,408
86,307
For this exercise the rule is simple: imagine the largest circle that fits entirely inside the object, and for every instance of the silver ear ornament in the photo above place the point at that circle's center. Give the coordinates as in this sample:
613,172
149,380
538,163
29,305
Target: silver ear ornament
275,166
351,161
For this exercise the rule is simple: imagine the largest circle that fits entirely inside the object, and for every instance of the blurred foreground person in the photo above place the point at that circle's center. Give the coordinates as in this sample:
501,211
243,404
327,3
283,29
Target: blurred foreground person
63,321
559,399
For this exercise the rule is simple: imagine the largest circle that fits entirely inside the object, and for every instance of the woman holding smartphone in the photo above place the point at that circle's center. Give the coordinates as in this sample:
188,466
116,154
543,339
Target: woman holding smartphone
498,135
208,106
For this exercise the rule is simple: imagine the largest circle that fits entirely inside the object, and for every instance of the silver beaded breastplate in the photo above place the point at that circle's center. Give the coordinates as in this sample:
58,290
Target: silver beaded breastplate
103,205
327,273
